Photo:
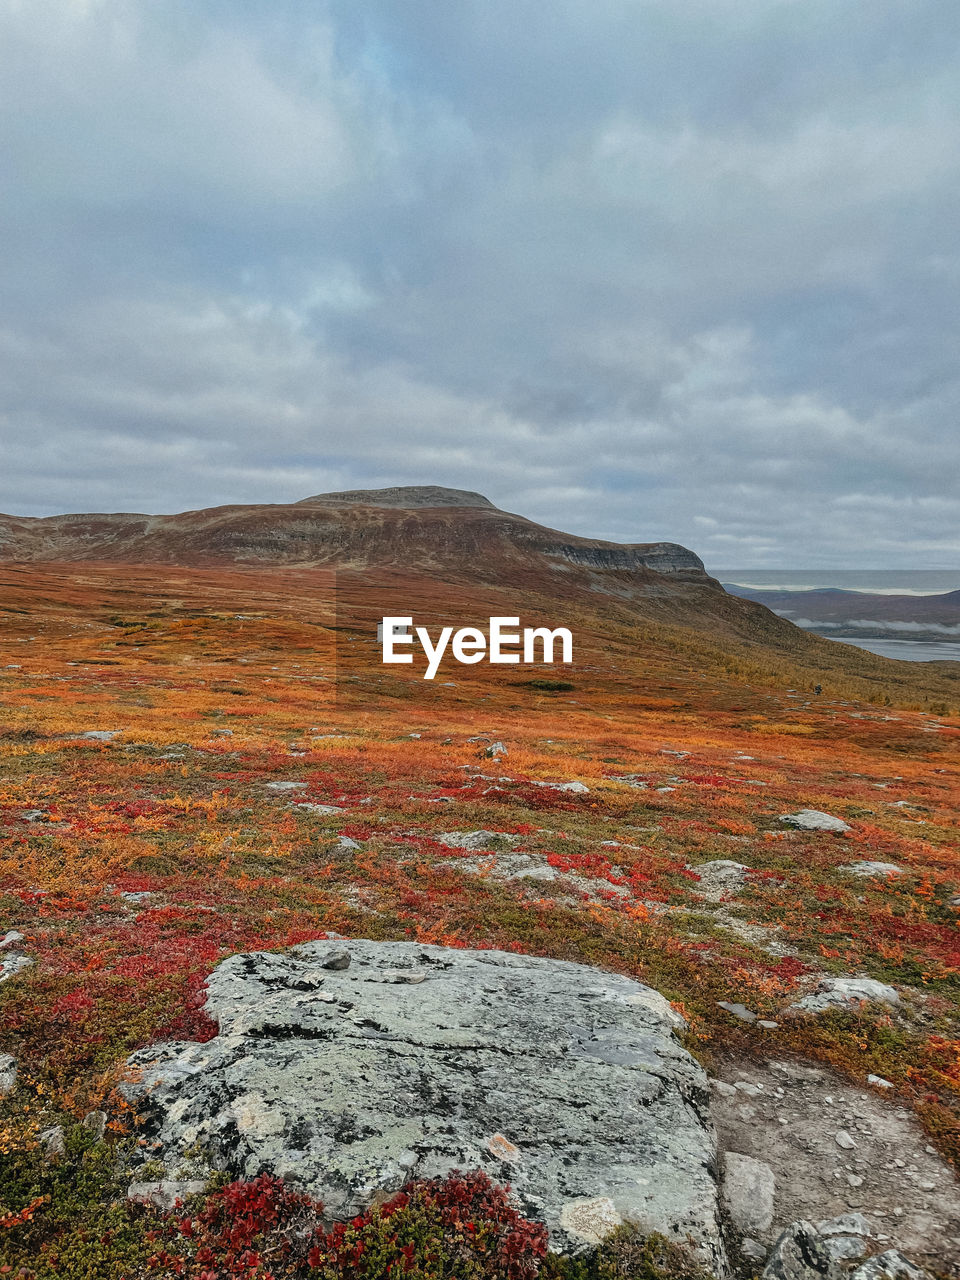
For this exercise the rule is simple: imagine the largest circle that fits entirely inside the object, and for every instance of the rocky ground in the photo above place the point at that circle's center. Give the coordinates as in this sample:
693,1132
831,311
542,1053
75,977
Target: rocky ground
831,1149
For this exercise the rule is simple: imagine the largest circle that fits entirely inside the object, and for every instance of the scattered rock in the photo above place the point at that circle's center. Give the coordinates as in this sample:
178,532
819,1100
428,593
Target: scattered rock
634,780
344,842
748,1191
738,1010
12,964
891,1265
873,870
495,750
814,820
9,938
752,1250
844,1141
34,815
478,840
799,1254
832,993
284,786
578,788
352,1090
892,1182
719,876
879,1082
8,1074
100,735
95,1122
53,1142
321,810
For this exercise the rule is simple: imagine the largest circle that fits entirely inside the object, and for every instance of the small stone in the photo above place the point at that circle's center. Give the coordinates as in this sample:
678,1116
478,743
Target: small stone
336,960
401,976
53,1142
873,870
752,1250
751,1090
846,992
95,1122
748,1190
8,1074
346,843
879,1082
768,1025
722,1089
844,1141
738,1010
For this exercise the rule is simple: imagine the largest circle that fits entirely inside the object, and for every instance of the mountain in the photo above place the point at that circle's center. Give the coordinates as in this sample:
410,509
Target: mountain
391,545
862,613
419,527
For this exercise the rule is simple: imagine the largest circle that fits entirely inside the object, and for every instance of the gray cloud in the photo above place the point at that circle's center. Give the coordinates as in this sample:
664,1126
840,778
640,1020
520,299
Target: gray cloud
651,271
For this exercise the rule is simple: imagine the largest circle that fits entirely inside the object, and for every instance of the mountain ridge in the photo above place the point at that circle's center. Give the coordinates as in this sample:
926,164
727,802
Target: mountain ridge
411,526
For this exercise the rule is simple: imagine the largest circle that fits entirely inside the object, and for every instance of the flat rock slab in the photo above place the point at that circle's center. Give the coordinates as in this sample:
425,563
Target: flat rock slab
814,820
561,1079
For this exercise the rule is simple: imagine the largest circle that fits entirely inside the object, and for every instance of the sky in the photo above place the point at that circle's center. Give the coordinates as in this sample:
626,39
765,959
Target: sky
643,270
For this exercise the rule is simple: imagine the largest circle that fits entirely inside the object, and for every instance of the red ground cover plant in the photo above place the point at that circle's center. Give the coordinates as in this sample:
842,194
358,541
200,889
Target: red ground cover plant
132,864
463,1225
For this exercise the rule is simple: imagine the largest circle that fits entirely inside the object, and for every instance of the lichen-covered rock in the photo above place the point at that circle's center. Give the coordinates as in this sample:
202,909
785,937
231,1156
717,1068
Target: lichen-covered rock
873,870
800,1254
846,993
561,1079
814,820
8,1074
891,1265
828,1251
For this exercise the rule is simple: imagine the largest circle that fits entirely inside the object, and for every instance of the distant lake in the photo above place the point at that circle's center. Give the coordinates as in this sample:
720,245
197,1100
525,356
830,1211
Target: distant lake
905,650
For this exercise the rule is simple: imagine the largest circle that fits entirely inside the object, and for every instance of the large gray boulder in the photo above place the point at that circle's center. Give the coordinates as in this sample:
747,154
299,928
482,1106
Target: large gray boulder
563,1080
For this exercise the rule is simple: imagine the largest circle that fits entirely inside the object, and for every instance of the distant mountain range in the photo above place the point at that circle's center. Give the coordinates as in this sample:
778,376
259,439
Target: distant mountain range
866,614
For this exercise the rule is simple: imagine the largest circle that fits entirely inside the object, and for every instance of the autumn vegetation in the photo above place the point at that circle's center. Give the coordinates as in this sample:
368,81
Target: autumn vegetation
133,864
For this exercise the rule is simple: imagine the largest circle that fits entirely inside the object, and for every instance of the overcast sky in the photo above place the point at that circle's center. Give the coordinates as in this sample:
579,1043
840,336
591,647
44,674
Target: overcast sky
639,269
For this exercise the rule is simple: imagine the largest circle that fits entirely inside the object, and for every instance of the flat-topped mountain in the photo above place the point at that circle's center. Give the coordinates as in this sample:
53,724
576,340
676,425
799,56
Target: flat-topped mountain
427,528
402,535
410,496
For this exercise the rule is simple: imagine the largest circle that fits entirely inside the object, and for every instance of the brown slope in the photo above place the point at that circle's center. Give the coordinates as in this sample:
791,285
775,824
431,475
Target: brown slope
449,536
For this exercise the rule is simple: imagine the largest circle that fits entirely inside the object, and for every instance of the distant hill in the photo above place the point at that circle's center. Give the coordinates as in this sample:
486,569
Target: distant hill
417,527
862,613
389,537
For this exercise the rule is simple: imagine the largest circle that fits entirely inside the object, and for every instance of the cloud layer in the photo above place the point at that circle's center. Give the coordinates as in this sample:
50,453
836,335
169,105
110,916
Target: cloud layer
663,270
